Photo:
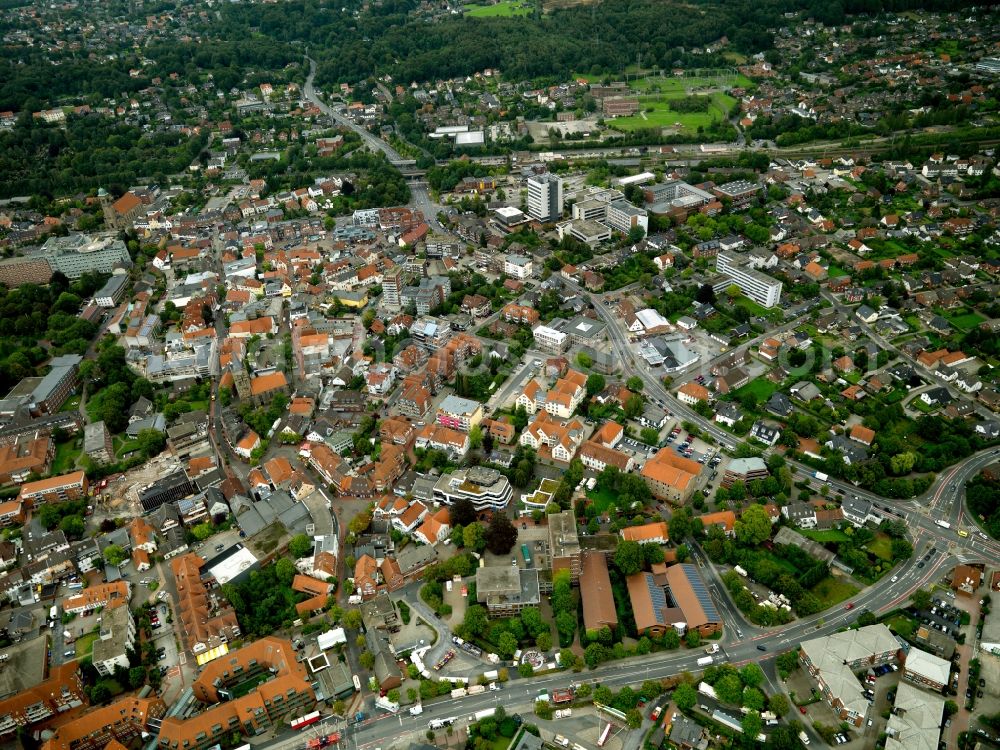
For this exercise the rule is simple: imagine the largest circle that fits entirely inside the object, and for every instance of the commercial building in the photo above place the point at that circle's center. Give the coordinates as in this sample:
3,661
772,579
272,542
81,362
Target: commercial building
47,394
915,720
459,413
648,533
550,340
112,292
171,488
757,286
392,286
595,589
669,476
625,217
24,456
123,723
518,266
832,661
32,692
71,486
922,668
564,543
116,638
672,597
745,470
206,619
97,443
507,589
110,596
487,489
545,197
77,254
284,693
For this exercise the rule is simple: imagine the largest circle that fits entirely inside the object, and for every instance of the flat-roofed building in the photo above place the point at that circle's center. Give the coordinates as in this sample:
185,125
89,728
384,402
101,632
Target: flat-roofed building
564,543
507,589
116,638
487,489
757,286
595,589
32,692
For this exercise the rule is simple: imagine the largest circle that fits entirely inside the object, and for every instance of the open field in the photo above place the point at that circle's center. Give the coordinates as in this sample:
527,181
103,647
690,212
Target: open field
881,547
655,112
505,8
831,591
684,85
759,387
966,322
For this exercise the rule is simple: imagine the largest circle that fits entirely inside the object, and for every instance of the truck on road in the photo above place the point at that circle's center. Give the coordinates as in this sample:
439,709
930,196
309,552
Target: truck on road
476,689
484,714
821,477
712,648
416,710
704,661
459,692
943,524
492,675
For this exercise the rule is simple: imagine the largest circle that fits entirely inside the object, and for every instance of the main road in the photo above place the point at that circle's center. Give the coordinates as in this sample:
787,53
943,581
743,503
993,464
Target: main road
369,139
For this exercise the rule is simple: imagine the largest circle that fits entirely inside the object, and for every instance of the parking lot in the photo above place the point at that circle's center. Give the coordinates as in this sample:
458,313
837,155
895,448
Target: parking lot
943,616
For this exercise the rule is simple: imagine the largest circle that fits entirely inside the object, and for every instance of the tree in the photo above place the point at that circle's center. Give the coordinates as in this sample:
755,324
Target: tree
284,569
474,537
752,724
136,677
476,437
595,384
733,291
352,619
633,406
475,620
151,442
685,696
754,526
584,360
633,717
753,699
671,639
603,695
300,546
787,663
729,689
680,525
72,526
202,531
462,513
628,557
634,384
778,704
652,554
921,599
705,294
506,645
115,555
543,641
752,675
501,534
366,660
593,655
525,670
692,638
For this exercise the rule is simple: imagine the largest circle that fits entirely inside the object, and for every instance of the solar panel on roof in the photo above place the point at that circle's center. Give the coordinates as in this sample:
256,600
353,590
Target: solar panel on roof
701,592
658,597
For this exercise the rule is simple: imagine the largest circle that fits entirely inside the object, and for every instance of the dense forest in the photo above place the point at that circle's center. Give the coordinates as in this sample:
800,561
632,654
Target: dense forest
578,39
37,158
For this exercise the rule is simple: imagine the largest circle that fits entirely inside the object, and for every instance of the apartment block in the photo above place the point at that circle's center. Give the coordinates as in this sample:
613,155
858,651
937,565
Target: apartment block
757,286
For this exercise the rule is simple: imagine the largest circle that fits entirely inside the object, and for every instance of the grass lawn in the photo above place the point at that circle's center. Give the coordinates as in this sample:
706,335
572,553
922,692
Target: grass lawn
881,547
681,85
602,498
66,454
835,271
72,404
824,535
758,310
967,321
85,644
662,116
920,406
760,387
831,591
902,625
505,8
247,686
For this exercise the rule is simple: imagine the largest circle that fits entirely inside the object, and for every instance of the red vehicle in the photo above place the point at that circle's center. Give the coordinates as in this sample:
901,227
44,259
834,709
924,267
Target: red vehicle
656,713
562,696
850,605
802,709
317,743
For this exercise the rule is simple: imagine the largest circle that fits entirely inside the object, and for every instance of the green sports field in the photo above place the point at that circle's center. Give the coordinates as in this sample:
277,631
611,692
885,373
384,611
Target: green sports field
505,8
655,112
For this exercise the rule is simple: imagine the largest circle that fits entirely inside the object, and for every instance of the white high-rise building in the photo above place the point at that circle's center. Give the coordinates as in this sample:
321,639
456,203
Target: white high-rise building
759,287
545,197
